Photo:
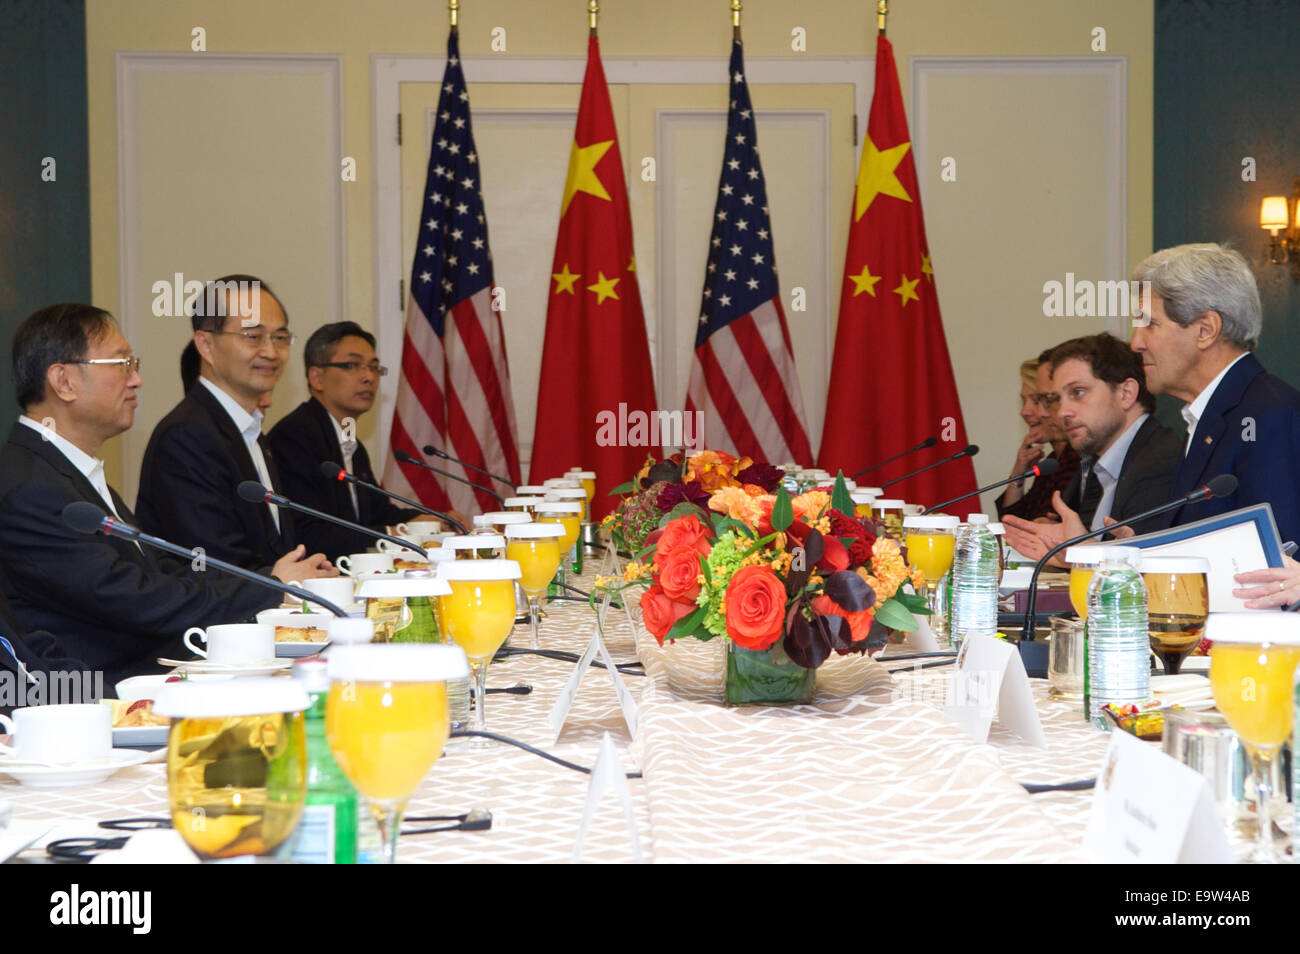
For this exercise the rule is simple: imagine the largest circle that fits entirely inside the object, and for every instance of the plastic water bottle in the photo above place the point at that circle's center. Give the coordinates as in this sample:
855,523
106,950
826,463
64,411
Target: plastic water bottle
975,580
1119,645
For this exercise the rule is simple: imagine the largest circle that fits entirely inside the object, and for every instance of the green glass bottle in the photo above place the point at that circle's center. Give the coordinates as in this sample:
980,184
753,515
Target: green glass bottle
327,833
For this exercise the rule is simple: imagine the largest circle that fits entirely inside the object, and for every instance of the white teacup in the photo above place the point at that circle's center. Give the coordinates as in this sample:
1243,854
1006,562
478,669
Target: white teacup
418,530
67,733
345,631
339,590
399,552
359,564
234,643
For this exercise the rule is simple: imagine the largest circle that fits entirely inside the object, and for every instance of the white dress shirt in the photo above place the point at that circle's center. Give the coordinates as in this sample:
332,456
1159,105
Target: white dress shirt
348,448
92,468
250,428
1193,411
1107,468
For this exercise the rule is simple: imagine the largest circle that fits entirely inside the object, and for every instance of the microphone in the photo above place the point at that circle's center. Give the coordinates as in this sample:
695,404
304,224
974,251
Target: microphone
406,458
1220,486
928,442
1042,469
254,492
85,517
434,452
334,472
970,450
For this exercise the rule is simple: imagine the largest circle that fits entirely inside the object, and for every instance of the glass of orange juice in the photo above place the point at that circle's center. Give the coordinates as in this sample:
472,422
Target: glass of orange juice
1083,561
536,548
478,615
386,721
588,478
929,540
1253,659
568,515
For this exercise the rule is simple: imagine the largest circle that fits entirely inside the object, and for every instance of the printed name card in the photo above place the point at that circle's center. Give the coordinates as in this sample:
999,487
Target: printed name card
989,680
1149,807
607,777
595,648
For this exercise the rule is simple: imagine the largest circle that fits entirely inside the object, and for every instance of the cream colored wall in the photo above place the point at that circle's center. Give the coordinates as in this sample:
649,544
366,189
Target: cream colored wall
355,29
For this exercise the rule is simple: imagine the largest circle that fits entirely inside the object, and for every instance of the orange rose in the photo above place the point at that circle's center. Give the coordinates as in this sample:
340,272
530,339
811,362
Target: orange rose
685,531
679,575
859,623
755,607
658,612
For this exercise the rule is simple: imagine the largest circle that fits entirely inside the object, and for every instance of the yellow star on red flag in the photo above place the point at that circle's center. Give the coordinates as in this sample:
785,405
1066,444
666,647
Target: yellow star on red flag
907,290
604,288
864,281
582,172
877,175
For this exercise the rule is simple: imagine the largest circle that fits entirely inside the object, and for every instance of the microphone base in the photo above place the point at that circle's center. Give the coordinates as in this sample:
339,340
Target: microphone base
1034,656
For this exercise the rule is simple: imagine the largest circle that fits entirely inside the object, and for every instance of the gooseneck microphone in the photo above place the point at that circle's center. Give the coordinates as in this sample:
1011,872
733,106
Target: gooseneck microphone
84,517
405,458
434,452
1220,486
254,492
928,442
333,471
970,450
1042,469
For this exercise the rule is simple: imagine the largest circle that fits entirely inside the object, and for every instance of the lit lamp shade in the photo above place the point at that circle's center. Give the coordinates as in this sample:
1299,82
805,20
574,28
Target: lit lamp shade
1273,213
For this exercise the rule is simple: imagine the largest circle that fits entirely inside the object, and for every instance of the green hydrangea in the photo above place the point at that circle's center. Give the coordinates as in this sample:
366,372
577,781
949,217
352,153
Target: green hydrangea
723,562
641,516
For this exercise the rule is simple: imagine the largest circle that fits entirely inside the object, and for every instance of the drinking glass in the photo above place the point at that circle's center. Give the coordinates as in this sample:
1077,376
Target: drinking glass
478,545
386,721
536,548
1083,561
236,763
569,516
588,479
479,614
929,541
1178,600
890,513
1252,666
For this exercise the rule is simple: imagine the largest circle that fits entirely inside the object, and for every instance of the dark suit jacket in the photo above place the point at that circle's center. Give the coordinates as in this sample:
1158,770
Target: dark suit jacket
195,460
1144,478
301,441
39,652
1251,429
108,602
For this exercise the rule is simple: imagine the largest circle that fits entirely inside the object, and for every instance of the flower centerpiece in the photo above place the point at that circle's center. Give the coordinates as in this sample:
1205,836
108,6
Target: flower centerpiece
725,552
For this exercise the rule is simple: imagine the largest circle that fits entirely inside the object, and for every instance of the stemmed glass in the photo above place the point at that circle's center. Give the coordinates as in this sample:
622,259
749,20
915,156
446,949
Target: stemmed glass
1178,600
1252,668
387,720
567,514
929,541
1083,561
536,548
478,615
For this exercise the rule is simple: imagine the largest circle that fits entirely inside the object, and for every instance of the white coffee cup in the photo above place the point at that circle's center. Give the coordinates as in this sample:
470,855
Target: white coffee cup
400,552
234,643
359,564
66,733
339,590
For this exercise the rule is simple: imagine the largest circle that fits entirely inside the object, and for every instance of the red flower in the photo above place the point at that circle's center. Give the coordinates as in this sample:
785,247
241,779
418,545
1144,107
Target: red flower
685,531
860,551
859,623
679,575
755,607
659,613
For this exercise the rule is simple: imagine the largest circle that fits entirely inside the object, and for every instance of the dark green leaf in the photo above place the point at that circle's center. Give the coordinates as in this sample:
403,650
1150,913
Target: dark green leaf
708,574
623,488
850,592
723,523
681,510
896,616
840,498
687,625
912,602
782,511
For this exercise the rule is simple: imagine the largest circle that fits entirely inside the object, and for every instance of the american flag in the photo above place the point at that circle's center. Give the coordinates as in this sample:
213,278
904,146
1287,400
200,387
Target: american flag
743,377
454,390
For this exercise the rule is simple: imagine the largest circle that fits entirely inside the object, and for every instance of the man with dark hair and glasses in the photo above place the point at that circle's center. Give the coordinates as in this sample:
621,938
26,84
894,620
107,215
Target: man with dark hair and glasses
212,440
343,376
108,601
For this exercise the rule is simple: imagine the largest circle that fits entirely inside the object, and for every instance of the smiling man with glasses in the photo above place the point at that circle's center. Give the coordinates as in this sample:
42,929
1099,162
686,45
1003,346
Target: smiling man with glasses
343,376
212,441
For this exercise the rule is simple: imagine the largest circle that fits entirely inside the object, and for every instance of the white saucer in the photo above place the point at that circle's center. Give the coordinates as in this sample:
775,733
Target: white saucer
266,667
87,772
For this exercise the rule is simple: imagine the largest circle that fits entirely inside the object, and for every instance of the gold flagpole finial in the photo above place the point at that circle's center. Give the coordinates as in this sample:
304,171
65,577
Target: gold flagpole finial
735,19
882,11
453,10
593,11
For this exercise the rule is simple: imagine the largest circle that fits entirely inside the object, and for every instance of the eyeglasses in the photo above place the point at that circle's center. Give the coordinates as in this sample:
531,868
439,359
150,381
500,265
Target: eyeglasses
257,339
130,365
352,367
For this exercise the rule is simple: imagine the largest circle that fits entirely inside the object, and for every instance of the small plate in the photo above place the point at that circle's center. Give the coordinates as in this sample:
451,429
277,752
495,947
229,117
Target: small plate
140,736
267,667
88,772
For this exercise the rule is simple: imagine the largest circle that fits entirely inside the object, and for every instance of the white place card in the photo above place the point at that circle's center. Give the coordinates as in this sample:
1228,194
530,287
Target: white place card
606,777
989,679
922,639
1148,807
595,647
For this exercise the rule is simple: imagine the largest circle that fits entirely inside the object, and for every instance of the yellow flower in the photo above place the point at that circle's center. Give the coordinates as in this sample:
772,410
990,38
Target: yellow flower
811,504
634,571
735,503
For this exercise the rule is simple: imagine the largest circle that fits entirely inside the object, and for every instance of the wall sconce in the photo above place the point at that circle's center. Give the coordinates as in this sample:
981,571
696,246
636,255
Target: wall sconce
1280,216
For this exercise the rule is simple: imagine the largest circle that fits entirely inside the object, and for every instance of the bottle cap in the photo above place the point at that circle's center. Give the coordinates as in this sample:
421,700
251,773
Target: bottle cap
977,519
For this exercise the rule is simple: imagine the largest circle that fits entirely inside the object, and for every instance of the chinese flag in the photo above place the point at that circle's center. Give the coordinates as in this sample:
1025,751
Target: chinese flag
595,356
891,381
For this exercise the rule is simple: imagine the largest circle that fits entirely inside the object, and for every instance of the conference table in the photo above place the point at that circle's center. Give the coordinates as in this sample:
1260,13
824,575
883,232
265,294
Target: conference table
871,771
